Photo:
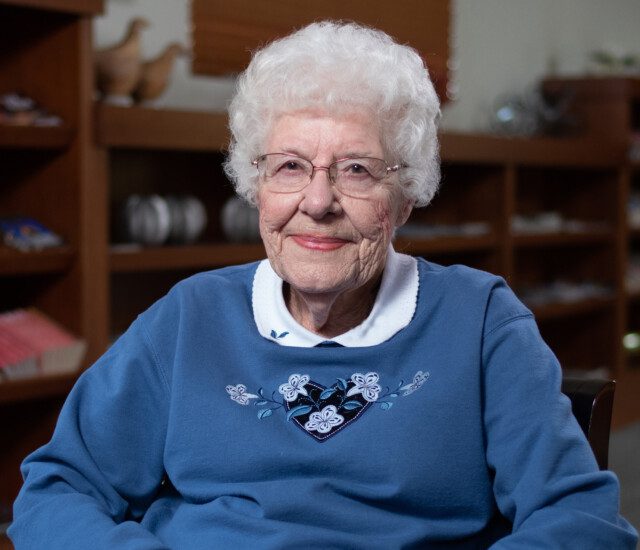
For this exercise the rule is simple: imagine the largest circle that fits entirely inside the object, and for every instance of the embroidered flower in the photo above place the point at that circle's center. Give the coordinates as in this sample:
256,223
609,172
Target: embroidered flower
366,384
295,386
324,421
418,379
239,394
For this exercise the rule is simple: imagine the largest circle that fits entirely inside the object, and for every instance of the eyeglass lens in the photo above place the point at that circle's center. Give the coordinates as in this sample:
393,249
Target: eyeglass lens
289,173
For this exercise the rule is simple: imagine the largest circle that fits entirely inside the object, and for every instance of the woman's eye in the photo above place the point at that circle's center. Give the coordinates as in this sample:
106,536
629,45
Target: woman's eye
290,166
356,170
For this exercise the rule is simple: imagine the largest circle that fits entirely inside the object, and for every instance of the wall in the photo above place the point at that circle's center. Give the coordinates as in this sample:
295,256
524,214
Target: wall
499,47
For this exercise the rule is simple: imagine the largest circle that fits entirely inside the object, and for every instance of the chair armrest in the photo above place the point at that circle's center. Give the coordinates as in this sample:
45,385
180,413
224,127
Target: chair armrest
592,405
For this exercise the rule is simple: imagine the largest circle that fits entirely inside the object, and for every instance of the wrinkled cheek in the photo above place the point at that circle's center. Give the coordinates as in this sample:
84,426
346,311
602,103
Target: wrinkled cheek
384,227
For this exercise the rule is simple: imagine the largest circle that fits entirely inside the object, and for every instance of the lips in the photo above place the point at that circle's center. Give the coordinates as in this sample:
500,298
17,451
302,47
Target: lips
317,242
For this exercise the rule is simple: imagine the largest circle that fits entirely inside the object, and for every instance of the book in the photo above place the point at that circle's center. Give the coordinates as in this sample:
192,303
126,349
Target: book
32,343
16,359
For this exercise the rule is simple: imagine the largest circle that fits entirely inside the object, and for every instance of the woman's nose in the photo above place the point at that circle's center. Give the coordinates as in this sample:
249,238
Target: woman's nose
319,196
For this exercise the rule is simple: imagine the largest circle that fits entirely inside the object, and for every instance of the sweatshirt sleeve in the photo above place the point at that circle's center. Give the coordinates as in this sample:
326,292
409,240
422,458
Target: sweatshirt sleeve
546,480
104,464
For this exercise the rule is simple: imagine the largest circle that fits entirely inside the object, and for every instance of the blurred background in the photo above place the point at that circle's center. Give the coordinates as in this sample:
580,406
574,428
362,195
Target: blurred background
113,129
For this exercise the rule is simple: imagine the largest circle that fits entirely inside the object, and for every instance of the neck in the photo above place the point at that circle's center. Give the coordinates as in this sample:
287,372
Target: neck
331,314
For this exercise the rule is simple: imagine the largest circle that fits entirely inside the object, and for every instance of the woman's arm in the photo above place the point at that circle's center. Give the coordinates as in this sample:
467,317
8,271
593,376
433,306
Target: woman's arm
104,464
547,482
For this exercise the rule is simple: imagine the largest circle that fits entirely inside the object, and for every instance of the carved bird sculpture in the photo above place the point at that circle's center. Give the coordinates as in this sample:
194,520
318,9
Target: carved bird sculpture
155,74
118,67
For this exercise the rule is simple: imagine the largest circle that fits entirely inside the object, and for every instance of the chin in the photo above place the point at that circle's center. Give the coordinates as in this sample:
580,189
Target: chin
317,282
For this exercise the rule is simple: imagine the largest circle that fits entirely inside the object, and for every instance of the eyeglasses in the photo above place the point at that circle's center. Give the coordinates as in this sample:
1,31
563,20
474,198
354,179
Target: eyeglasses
356,177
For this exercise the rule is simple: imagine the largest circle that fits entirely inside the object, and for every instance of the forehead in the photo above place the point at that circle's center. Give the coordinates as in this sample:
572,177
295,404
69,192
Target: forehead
311,133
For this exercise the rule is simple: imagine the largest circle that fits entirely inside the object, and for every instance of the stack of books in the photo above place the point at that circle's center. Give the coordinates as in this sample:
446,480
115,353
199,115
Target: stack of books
32,344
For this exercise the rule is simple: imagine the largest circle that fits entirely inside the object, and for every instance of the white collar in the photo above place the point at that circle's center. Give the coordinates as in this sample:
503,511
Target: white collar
392,311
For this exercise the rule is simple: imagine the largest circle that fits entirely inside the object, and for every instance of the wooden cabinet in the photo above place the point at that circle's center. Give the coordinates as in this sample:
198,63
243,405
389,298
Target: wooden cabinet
607,111
46,174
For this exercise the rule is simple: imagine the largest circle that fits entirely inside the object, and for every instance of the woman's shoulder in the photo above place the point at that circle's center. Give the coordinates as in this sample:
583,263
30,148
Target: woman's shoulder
457,275
473,289
218,281
213,290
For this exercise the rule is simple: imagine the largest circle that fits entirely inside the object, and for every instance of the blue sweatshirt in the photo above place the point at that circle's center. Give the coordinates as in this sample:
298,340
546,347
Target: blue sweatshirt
195,432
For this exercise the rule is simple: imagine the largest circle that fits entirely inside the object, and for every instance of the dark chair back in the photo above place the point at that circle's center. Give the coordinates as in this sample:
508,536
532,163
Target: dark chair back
592,404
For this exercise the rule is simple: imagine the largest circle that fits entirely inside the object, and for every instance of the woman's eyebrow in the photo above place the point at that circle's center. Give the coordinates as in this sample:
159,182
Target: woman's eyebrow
354,154
293,151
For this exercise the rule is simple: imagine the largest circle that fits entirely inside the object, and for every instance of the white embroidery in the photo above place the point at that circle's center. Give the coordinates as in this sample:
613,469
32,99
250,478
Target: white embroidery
239,394
324,421
418,379
366,384
295,386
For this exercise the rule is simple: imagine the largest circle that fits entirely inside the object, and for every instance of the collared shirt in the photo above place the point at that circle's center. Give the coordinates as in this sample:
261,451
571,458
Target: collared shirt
392,310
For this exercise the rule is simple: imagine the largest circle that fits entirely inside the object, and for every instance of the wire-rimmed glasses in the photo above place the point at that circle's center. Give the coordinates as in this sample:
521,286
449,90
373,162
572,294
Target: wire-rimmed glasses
353,176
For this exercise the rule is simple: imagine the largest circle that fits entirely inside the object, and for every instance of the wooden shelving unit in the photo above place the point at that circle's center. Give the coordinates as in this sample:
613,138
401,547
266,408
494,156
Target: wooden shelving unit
55,260
40,387
195,257
30,137
446,245
543,240
560,310
608,110
47,174
152,129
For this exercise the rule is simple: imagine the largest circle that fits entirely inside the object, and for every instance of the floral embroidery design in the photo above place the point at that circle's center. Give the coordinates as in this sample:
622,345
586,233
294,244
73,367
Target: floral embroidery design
324,420
322,411
418,379
366,384
239,394
294,387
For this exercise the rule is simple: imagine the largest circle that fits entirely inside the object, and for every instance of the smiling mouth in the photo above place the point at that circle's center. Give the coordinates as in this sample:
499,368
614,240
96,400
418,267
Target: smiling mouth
313,242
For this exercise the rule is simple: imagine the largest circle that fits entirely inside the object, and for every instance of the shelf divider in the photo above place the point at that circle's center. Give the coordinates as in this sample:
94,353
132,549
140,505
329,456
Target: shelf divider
52,260
35,137
199,256
144,128
37,387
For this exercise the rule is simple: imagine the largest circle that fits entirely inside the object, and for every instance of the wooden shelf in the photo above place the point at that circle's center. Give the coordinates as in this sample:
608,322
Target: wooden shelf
444,244
86,7
562,239
52,260
561,310
142,128
36,388
35,137
183,257
632,296
594,86
556,152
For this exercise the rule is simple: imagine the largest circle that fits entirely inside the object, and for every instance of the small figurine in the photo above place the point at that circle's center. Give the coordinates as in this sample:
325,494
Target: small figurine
154,75
118,67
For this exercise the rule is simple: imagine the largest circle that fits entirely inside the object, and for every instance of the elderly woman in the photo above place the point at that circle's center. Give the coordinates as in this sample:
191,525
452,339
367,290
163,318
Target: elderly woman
338,394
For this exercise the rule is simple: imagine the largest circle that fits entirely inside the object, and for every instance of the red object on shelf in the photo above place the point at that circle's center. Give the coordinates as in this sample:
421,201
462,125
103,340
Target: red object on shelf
26,334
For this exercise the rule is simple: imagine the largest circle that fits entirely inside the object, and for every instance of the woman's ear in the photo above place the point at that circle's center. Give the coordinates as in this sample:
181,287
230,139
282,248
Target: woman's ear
405,212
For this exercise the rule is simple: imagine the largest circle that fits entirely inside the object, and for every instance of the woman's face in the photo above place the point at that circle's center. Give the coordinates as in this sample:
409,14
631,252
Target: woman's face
318,240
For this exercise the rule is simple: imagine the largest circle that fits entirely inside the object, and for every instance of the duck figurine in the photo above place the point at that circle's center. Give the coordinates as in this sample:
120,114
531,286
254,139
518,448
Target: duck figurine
118,67
154,74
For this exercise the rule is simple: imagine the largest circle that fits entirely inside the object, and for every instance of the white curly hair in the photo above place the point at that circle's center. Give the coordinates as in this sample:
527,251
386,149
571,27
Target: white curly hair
336,67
